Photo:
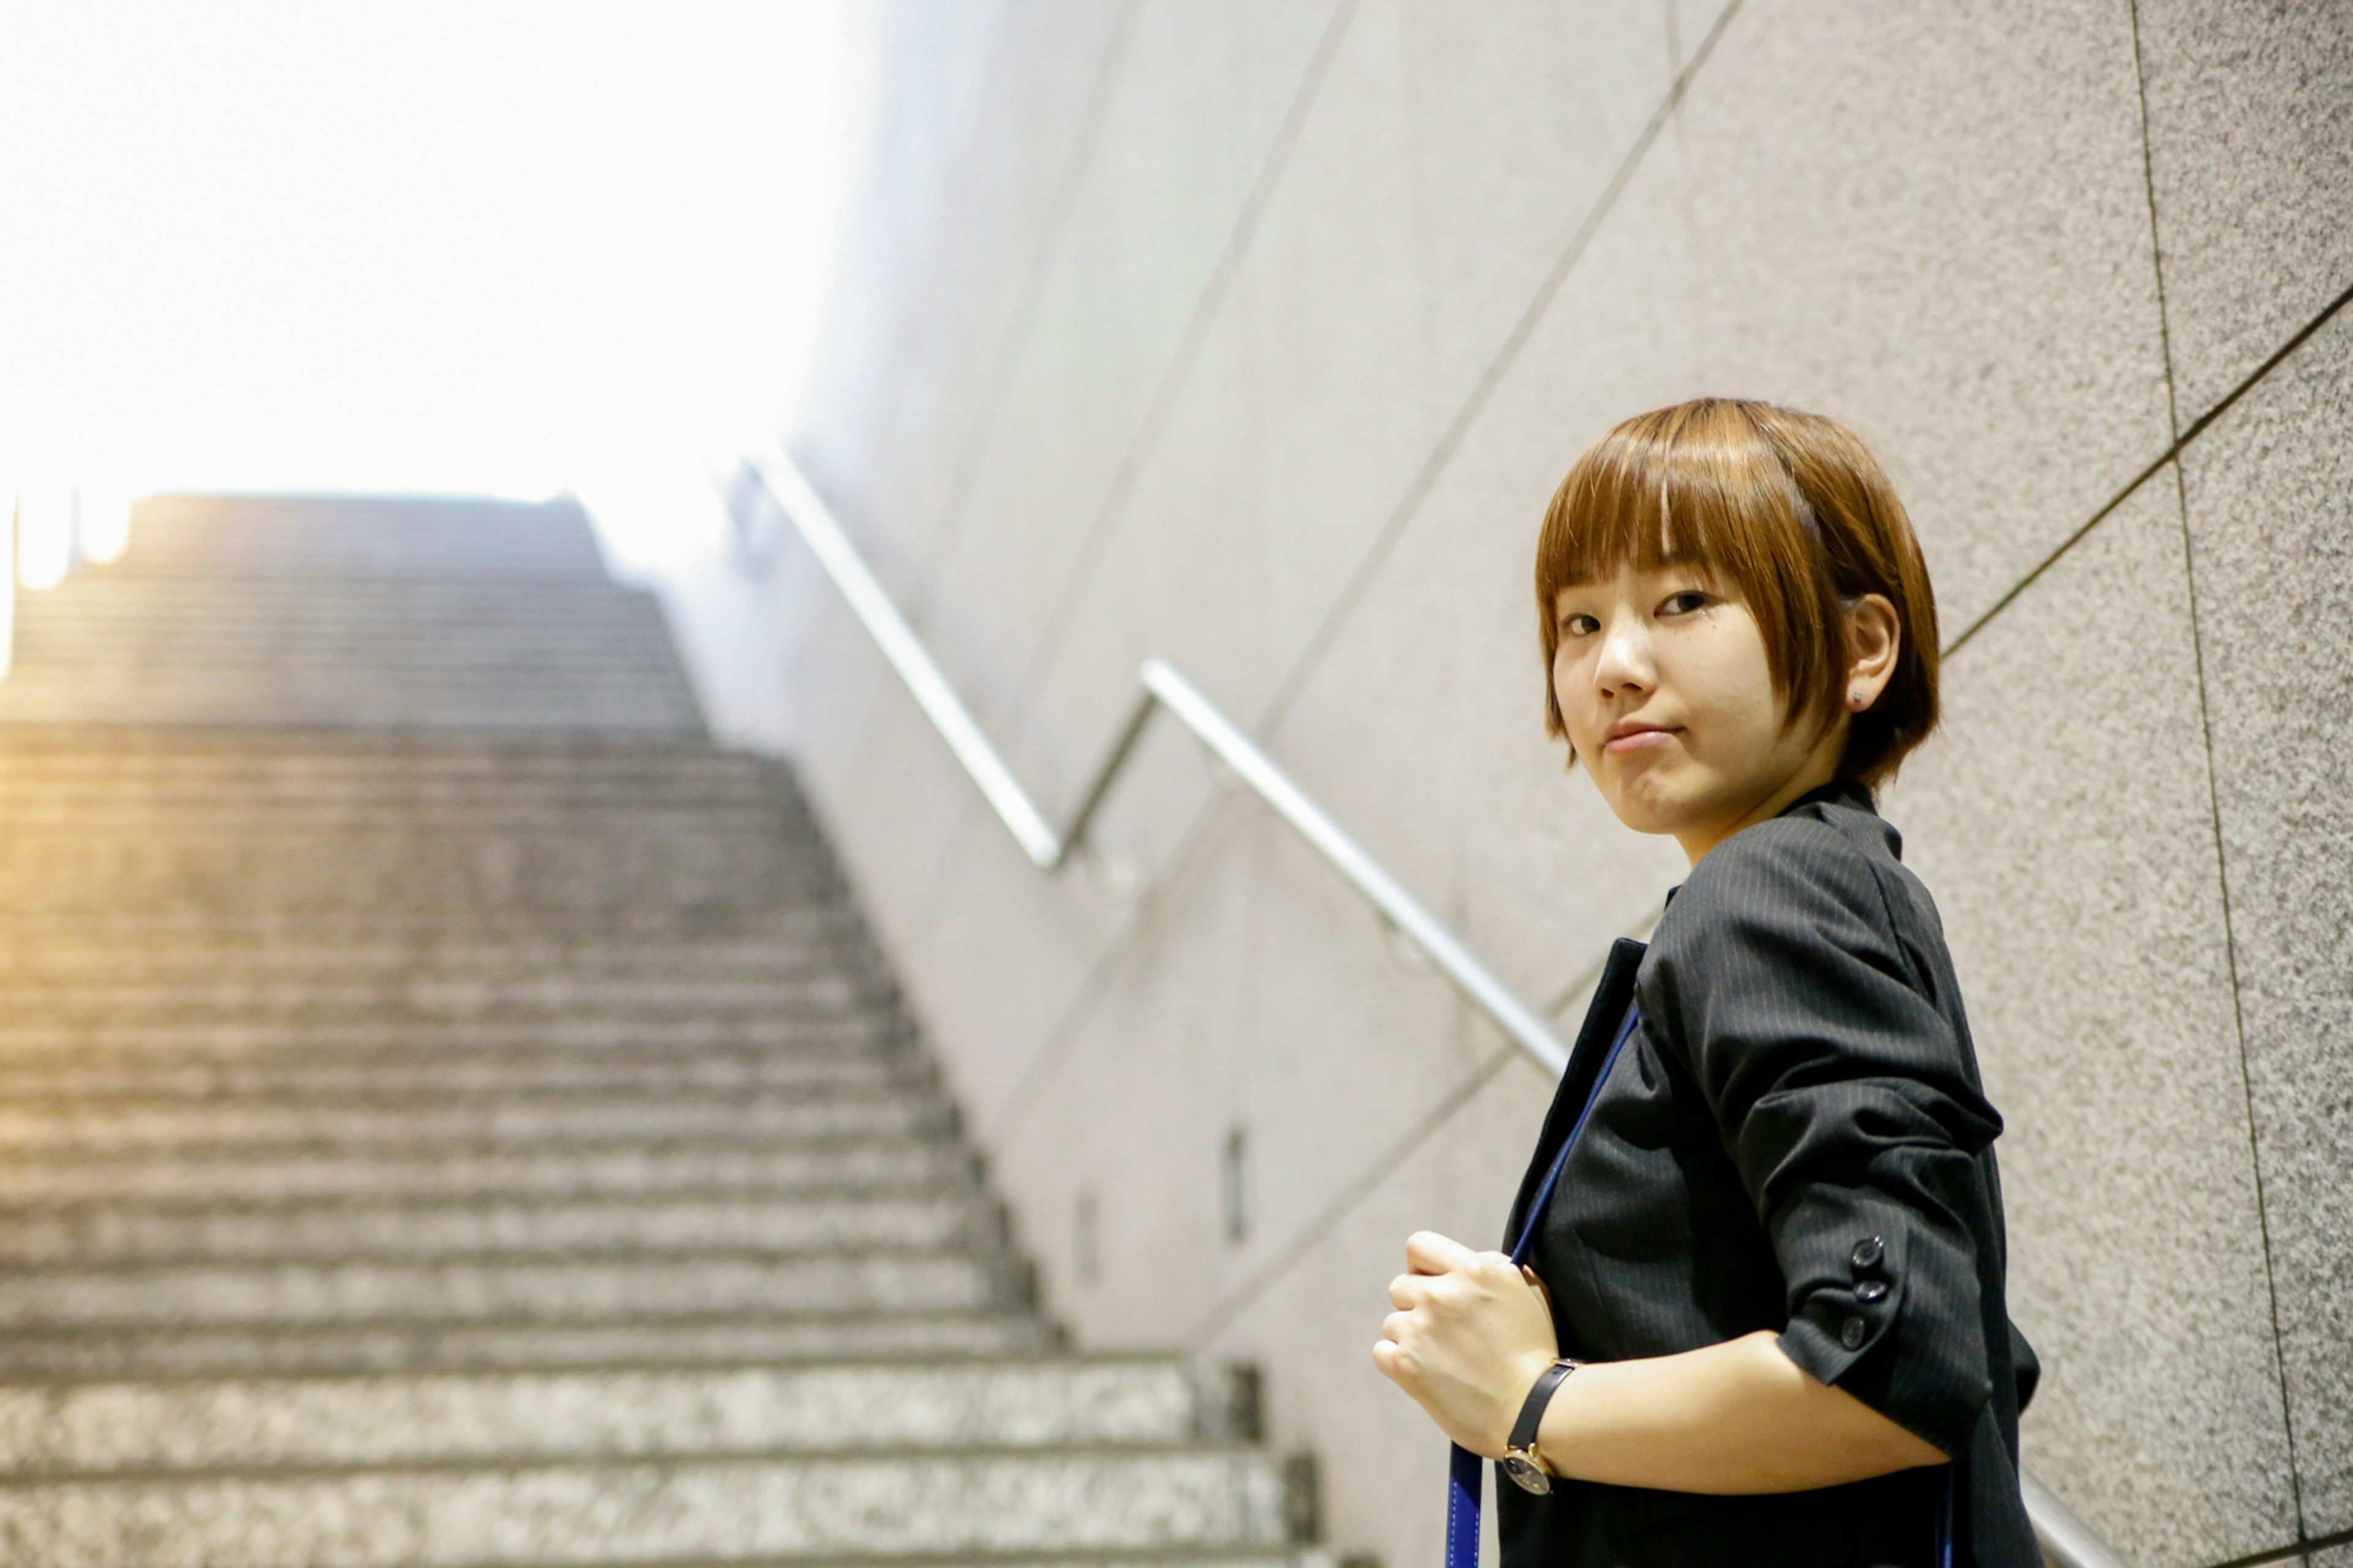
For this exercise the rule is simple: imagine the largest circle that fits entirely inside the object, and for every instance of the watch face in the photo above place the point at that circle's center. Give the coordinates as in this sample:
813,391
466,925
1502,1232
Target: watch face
1525,1471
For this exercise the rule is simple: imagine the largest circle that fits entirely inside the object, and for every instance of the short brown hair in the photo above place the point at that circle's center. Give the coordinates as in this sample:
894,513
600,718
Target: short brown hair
1793,512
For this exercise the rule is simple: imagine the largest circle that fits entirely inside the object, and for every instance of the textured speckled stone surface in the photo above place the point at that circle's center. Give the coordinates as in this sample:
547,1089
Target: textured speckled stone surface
762,1222
2251,149
240,1177
567,1289
338,1348
491,1152
1932,220
2063,823
980,128
503,1417
1789,235
635,1513
112,1129
2272,533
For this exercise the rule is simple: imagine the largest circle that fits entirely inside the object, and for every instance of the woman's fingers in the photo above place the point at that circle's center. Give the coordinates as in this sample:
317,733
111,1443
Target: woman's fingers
1427,1252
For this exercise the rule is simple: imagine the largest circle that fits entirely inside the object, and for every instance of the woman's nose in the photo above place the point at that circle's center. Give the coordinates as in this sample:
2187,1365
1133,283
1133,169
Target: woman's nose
1623,663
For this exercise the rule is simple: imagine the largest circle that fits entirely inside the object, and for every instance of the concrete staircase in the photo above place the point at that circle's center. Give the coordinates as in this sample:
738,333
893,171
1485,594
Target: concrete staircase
451,1114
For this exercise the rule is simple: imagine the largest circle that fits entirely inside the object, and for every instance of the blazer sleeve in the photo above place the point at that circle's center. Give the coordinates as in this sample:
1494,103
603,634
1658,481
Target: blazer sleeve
1845,1099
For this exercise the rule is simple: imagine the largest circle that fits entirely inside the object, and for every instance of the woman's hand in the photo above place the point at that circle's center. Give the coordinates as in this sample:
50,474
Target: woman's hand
1469,1338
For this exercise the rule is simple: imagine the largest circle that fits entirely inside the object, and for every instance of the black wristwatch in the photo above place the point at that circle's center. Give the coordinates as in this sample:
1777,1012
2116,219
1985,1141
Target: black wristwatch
1521,1460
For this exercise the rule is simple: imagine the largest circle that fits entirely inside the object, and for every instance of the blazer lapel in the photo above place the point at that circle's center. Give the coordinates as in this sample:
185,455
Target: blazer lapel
1611,998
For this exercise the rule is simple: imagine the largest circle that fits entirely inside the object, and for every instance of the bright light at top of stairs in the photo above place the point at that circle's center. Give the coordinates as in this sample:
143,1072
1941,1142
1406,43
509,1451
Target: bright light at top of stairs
102,522
44,520
57,526
8,599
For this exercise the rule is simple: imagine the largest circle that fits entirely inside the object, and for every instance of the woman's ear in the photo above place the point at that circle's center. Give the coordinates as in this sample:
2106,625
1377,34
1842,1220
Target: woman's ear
1873,637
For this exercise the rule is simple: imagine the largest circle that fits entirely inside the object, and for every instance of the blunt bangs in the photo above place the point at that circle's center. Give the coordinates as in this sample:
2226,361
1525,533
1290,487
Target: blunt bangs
1787,512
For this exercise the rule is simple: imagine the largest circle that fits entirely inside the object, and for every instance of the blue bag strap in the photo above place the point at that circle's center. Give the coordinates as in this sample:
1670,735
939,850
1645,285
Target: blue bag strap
1465,1470
1945,1515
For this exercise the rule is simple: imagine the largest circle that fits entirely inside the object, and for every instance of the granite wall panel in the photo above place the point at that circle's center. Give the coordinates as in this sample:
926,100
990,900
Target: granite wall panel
2270,491
1107,405
2063,822
2251,160
984,114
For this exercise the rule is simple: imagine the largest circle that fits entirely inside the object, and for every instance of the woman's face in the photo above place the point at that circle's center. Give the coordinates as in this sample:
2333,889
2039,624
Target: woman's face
1663,683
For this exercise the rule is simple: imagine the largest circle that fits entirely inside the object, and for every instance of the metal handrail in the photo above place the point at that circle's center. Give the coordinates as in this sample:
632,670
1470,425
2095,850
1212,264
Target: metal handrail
1159,686
2065,1540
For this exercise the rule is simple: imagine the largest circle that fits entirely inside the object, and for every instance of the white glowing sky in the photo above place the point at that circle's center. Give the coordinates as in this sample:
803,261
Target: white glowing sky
501,246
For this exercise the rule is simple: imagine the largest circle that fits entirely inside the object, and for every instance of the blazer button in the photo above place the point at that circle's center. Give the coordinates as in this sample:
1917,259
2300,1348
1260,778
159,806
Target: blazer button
1851,1334
1869,1251
1871,1290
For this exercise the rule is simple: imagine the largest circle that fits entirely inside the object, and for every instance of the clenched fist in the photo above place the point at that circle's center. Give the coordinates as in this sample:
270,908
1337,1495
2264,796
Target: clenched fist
1470,1334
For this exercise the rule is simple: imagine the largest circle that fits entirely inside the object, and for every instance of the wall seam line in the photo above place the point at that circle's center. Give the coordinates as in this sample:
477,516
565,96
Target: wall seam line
1162,402
1499,365
1059,1035
2213,792
1174,378
2195,429
2289,1553
1079,164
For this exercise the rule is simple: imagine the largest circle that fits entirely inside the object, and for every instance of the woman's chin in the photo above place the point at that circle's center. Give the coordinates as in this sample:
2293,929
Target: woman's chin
1647,803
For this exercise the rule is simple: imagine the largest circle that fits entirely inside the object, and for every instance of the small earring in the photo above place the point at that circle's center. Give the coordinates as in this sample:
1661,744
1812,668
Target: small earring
1854,701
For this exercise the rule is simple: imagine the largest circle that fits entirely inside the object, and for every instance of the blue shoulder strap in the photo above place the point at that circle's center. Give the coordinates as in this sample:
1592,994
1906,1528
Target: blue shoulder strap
1465,1472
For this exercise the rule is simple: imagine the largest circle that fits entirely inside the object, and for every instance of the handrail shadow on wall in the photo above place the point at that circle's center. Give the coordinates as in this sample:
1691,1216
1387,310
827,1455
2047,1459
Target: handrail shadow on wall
2066,1541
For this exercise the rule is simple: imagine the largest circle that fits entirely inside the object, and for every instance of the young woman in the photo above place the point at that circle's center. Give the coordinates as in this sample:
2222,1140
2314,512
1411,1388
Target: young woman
1761,1320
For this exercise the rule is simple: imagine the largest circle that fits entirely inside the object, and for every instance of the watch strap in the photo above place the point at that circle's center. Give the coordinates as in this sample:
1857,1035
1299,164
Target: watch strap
1524,1430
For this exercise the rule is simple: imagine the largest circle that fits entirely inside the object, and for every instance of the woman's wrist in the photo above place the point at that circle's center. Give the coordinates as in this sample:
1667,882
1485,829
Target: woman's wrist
1526,1372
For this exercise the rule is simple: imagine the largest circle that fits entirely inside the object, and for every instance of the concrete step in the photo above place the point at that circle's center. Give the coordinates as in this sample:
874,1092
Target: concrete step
303,768
786,934
338,536
99,1039
241,1177
813,956
545,1291
955,1218
134,786
655,884
830,991
174,1072
216,808
820,937
873,1508
343,1349
139,784
230,602
461,1122
179,919
604,1412
129,695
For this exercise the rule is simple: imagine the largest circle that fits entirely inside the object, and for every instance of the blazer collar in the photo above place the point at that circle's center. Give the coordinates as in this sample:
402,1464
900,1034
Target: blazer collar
1838,792
1849,793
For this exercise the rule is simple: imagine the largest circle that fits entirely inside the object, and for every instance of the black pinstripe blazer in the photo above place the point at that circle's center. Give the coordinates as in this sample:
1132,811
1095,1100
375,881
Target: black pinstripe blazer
1795,1140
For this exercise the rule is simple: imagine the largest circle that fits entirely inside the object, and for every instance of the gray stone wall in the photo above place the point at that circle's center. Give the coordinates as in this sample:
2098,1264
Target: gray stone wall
1255,335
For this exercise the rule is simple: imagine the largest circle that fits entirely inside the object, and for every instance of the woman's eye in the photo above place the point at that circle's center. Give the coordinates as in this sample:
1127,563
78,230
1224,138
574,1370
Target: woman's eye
1578,625
1684,603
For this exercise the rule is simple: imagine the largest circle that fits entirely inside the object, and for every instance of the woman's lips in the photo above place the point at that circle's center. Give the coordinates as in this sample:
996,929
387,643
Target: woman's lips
1625,738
